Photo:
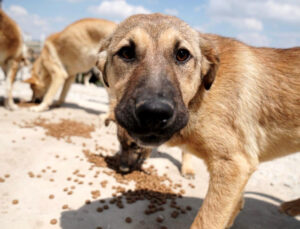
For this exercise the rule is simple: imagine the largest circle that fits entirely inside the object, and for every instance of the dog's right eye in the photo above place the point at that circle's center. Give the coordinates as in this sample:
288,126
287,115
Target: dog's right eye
133,145
127,53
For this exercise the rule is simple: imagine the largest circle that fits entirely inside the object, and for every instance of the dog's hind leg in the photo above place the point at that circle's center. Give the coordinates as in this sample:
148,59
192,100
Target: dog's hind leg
10,70
291,208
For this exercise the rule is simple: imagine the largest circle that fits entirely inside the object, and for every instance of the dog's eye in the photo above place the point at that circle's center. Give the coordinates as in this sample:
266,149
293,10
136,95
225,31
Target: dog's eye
127,53
182,55
133,145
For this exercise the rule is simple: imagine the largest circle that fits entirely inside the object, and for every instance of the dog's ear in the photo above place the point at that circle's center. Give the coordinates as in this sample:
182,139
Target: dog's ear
31,80
102,59
209,63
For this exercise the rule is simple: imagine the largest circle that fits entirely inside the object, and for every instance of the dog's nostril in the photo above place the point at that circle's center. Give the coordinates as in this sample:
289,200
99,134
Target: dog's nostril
154,114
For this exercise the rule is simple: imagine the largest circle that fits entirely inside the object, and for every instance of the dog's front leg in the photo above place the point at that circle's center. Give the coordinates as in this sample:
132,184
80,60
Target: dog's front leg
48,99
65,90
228,177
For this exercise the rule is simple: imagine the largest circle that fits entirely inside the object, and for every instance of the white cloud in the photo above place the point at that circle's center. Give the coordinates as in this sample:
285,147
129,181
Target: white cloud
173,12
280,10
18,10
73,1
253,23
245,23
254,38
30,24
116,9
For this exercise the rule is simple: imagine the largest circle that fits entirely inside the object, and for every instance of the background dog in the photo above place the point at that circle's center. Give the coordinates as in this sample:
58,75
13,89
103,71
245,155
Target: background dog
13,54
226,102
72,51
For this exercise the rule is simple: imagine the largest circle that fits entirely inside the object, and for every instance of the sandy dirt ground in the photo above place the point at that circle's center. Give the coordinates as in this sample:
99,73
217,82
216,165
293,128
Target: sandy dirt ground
48,182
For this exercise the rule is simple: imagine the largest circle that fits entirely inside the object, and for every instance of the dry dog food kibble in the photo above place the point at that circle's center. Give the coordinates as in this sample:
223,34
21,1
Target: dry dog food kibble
51,196
87,202
15,201
160,219
128,220
64,129
53,221
30,174
65,206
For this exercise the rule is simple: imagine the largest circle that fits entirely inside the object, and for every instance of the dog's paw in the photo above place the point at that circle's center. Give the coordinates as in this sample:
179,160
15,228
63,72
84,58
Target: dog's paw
38,108
188,173
291,208
11,106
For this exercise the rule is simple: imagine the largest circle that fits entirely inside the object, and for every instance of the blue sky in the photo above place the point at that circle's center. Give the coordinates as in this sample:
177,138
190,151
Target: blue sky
273,23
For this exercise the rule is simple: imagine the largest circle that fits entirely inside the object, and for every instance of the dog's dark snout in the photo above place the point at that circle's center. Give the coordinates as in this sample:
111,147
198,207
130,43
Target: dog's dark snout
154,113
37,101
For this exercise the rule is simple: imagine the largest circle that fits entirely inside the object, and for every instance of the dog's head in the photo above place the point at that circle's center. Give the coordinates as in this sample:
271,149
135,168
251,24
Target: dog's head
153,66
132,155
38,81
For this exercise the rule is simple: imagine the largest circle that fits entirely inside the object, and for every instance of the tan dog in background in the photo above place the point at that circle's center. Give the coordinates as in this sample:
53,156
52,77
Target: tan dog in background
12,54
228,103
71,51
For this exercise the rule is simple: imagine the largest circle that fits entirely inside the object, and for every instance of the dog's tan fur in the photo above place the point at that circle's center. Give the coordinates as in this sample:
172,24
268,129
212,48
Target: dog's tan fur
251,113
71,51
12,54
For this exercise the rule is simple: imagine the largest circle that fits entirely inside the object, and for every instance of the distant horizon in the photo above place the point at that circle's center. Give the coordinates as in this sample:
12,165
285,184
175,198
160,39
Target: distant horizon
273,23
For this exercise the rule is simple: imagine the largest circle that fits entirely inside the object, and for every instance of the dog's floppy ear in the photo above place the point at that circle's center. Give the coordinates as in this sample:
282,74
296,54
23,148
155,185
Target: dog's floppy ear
102,59
209,63
32,80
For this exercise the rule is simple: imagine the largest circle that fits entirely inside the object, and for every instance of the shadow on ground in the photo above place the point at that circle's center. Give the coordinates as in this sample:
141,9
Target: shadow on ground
160,154
78,107
65,105
257,214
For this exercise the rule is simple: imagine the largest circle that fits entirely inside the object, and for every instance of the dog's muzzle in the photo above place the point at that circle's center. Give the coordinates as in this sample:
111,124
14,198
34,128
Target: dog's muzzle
152,115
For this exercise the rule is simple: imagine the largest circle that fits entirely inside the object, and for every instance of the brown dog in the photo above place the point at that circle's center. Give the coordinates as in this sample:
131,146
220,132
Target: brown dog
71,51
226,102
12,54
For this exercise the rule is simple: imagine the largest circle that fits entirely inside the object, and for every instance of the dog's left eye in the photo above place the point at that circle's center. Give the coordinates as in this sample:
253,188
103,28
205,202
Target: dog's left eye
127,53
182,55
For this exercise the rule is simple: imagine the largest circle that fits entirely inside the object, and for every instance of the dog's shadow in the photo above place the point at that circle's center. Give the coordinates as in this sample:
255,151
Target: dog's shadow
75,106
65,105
160,154
257,214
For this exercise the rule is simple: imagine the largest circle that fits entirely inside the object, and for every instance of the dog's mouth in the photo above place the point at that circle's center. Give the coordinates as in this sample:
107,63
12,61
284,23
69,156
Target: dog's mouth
150,140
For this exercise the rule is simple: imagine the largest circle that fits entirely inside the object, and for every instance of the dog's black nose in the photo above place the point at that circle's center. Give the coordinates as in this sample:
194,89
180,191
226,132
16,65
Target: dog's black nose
154,114
37,101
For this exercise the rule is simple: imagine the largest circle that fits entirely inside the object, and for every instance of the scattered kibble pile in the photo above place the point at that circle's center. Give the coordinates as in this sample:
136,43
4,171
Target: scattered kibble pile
65,128
159,191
